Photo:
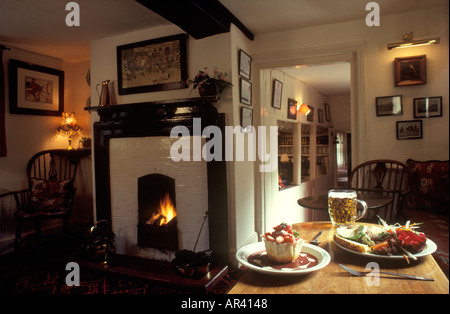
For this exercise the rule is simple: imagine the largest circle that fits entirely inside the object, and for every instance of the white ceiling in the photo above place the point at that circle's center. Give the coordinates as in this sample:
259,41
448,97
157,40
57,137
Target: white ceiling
327,79
39,26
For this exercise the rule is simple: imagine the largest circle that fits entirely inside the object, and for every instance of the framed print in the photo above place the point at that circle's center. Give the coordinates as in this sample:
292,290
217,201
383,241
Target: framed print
408,130
310,116
245,64
410,70
320,115
292,109
246,118
389,105
428,107
327,112
245,92
35,89
152,65
277,91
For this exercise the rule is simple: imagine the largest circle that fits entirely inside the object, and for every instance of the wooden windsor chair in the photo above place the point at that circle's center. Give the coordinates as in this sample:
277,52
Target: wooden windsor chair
385,177
50,193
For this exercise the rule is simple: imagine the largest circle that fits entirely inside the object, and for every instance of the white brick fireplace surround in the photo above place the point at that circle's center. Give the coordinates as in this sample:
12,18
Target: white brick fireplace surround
131,158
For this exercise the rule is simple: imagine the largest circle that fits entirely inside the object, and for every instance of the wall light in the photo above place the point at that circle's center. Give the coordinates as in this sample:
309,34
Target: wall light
407,41
304,109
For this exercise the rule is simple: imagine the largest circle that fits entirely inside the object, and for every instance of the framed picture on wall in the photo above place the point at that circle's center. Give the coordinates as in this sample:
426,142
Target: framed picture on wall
35,89
410,70
152,65
408,130
277,92
246,118
310,116
389,105
292,109
327,112
428,107
245,92
245,64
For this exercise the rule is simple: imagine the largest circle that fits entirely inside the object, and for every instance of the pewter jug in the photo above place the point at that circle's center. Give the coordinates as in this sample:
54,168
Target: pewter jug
104,94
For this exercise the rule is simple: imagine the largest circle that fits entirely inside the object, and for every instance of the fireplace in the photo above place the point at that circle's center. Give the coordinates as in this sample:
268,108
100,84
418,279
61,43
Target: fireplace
134,178
157,215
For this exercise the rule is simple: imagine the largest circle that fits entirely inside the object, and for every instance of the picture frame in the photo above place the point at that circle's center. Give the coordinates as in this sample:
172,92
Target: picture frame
152,65
389,105
245,92
428,107
327,112
277,93
245,64
410,70
246,118
320,115
292,109
310,116
409,130
35,89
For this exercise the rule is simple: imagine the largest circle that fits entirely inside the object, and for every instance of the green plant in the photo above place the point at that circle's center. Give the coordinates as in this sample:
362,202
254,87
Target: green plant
85,141
203,80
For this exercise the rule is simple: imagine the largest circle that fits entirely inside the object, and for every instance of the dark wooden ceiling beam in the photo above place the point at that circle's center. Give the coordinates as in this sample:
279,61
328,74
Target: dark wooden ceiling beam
198,18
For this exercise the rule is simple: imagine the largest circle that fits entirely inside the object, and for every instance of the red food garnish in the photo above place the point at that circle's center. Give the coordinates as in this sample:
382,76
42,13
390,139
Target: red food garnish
282,233
414,242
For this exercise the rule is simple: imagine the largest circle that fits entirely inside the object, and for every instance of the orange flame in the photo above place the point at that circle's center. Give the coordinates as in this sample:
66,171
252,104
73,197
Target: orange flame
166,211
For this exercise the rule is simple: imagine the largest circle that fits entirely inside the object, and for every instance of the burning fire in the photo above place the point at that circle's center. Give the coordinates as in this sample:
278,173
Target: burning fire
166,212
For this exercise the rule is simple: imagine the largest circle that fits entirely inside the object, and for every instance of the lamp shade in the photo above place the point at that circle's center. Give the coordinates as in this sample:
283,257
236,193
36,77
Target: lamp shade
68,127
304,109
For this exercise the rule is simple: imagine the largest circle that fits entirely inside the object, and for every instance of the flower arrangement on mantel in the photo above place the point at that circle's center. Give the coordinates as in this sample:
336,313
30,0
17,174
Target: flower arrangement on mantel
207,85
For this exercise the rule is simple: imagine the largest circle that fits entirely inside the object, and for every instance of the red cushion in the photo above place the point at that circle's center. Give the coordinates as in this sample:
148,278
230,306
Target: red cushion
429,186
49,196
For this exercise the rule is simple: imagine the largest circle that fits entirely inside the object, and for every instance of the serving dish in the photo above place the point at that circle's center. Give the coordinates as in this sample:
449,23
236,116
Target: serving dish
247,251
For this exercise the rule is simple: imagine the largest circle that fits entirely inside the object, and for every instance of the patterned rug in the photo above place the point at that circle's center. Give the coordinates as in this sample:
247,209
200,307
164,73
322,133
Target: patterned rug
52,282
41,270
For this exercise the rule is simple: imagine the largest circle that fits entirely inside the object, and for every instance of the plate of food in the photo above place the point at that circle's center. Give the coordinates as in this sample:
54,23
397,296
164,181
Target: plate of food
385,241
283,252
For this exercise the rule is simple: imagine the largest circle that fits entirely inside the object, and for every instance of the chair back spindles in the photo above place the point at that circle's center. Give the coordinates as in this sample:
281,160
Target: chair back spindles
385,177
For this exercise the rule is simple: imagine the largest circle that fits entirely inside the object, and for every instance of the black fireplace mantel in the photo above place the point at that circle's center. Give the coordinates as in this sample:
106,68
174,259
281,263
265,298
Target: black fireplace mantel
158,119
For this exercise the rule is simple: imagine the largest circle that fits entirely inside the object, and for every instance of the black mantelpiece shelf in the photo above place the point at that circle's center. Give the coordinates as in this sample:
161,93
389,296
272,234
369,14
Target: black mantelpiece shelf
179,102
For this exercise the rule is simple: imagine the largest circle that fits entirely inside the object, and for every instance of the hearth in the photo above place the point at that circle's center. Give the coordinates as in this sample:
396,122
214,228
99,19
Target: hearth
131,183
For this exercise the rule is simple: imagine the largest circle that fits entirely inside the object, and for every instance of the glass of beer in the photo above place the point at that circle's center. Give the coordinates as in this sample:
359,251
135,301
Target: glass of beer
342,207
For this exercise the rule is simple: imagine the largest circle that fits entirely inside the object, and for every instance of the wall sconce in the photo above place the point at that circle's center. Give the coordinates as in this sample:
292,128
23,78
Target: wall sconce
69,127
407,41
303,109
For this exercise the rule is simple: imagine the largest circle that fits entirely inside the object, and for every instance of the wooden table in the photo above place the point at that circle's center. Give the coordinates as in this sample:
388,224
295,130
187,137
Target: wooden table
332,279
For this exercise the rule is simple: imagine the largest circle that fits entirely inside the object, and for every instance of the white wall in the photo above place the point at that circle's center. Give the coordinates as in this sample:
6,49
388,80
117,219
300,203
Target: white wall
340,112
381,141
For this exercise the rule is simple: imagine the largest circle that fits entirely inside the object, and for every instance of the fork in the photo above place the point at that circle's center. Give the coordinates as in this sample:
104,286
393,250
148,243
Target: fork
315,241
361,274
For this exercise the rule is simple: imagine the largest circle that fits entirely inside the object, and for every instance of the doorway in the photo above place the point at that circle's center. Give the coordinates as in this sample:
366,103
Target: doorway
267,200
